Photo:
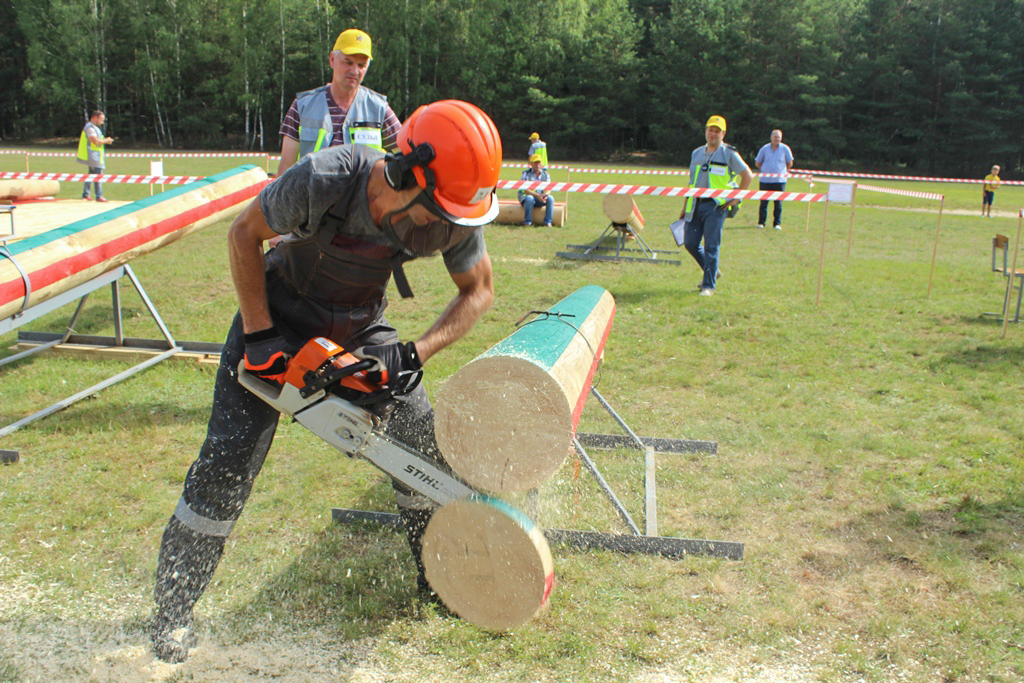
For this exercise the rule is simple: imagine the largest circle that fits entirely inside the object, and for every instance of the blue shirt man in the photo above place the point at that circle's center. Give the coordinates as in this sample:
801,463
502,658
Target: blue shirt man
530,198
774,160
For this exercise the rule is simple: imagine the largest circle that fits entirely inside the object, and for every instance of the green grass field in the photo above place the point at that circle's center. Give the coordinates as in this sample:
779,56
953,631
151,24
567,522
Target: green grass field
869,457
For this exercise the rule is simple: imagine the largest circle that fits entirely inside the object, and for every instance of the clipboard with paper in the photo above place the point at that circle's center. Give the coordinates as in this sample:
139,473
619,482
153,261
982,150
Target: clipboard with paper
678,229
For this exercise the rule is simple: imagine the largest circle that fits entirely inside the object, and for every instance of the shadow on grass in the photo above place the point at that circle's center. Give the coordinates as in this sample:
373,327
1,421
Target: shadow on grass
993,320
354,580
984,356
987,531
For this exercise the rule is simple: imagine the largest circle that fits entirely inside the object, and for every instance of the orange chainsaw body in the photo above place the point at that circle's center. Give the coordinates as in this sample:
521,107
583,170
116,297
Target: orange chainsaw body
317,358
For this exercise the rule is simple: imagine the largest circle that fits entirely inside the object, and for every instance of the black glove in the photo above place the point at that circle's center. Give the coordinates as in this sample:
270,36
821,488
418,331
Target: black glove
266,355
393,360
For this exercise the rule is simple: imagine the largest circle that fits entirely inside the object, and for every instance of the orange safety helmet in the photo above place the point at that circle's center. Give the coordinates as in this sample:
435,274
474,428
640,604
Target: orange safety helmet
453,151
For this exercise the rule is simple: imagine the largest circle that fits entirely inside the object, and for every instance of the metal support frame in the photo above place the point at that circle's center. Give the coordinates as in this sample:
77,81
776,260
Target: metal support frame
635,542
81,292
1008,309
592,251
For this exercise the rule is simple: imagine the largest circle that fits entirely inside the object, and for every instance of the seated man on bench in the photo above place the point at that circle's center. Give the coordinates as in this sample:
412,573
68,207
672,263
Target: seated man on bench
529,198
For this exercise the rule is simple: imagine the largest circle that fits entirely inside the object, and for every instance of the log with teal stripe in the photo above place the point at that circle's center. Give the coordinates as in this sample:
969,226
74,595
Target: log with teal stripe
505,421
60,259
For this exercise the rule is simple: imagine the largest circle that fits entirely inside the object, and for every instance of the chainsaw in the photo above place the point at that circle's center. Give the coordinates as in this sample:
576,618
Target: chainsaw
487,561
326,390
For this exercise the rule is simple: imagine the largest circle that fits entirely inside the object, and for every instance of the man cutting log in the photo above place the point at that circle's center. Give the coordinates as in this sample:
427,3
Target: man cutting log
350,216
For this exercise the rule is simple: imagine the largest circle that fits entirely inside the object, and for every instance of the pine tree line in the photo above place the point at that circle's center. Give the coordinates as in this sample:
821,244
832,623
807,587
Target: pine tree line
932,86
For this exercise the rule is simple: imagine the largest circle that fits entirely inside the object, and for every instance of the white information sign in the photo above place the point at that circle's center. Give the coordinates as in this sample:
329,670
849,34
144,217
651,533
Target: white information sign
841,191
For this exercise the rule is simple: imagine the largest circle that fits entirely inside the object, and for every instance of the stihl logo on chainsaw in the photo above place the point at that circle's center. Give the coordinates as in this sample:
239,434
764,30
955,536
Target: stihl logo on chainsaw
422,476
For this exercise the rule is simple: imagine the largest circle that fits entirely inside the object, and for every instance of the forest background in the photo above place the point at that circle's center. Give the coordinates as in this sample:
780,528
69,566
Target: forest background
932,86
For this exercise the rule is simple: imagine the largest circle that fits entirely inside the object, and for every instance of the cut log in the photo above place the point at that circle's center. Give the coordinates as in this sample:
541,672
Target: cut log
60,259
488,562
28,189
510,212
622,210
506,420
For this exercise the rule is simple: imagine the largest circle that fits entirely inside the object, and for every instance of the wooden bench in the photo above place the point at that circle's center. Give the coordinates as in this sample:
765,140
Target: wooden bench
510,212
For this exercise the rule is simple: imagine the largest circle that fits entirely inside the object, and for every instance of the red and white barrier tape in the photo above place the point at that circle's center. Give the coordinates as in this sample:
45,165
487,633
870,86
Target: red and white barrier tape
622,171
784,175
903,193
878,176
150,155
641,171
95,178
648,191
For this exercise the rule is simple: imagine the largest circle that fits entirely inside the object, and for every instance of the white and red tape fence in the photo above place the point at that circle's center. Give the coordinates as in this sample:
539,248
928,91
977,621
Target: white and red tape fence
653,191
100,178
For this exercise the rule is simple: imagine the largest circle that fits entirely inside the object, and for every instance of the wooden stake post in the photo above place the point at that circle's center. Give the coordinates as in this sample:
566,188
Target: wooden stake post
840,191
935,247
1012,274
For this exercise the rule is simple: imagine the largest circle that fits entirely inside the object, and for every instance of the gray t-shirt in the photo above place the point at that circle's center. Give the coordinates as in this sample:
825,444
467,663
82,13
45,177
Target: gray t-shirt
297,202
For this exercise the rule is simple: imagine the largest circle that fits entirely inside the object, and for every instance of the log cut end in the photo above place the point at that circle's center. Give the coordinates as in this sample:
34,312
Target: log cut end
503,424
488,562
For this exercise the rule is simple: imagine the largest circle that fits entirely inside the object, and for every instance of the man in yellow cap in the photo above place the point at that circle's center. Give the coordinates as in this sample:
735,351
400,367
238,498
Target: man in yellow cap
714,165
538,146
341,112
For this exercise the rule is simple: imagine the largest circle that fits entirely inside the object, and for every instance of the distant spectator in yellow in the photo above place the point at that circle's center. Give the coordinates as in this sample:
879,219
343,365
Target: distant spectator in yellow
989,192
538,146
90,151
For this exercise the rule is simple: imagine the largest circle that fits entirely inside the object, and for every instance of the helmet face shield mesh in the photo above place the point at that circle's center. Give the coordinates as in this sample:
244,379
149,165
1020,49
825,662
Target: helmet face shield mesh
418,228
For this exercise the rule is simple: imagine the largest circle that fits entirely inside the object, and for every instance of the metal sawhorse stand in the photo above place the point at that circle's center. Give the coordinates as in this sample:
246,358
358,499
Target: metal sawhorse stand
599,251
635,542
81,292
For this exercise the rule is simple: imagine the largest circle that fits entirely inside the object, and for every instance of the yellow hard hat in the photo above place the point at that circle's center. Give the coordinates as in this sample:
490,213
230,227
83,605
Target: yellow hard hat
535,157
354,42
535,136
717,121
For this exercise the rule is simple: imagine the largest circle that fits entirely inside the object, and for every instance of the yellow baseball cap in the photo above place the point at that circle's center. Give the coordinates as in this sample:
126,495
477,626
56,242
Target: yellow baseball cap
354,42
535,136
716,121
535,157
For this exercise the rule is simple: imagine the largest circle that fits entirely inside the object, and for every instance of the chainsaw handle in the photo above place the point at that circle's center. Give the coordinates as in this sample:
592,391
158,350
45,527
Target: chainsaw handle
336,373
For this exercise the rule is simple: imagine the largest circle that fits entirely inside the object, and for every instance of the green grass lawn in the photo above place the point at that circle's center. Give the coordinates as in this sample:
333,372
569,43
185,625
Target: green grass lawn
869,457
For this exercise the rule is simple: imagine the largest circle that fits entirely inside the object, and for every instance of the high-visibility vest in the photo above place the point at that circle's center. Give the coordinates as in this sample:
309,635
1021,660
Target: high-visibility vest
88,153
363,122
540,147
720,177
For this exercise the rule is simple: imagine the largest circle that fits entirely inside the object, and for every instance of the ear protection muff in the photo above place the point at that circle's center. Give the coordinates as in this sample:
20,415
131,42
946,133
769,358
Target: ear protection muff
398,167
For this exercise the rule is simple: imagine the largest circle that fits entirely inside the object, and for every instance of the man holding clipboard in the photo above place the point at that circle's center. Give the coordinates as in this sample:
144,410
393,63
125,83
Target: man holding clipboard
714,165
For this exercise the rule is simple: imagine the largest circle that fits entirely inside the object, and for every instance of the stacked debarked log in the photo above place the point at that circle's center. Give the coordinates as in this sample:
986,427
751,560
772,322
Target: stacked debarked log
622,211
38,268
28,189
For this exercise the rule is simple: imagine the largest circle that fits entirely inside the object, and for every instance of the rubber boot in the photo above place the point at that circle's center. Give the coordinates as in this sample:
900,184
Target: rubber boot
186,565
415,522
